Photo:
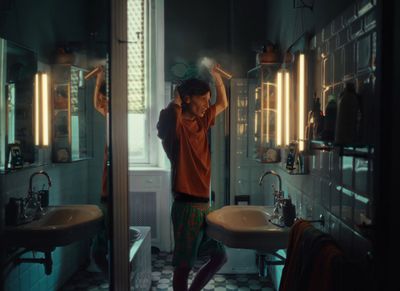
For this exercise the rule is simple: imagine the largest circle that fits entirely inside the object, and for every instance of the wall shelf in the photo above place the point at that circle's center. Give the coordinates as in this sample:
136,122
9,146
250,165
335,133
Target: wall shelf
353,150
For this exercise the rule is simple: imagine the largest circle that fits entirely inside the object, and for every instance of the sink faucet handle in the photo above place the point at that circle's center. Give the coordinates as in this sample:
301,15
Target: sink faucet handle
38,173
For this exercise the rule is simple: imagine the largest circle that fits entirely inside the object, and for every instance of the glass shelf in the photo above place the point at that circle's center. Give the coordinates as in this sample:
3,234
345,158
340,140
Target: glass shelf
71,96
353,150
262,105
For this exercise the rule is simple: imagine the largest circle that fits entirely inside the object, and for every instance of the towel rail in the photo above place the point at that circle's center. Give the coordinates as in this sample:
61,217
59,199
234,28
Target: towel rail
321,220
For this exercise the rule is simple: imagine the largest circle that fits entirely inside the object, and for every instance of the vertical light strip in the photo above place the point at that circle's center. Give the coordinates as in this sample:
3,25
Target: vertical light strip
45,110
279,110
287,108
41,110
262,121
37,124
3,103
325,88
268,84
256,121
301,74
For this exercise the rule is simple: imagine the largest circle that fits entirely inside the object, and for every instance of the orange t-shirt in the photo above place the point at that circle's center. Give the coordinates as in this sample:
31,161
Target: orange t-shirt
186,145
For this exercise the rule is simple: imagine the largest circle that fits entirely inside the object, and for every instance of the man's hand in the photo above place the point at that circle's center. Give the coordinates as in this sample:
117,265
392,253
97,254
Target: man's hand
100,101
217,76
222,101
177,97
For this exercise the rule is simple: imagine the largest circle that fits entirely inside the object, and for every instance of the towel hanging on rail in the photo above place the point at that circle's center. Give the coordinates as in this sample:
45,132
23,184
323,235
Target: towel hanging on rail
313,260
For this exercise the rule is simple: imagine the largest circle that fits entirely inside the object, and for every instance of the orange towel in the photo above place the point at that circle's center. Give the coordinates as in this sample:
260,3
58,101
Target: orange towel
292,256
326,271
313,261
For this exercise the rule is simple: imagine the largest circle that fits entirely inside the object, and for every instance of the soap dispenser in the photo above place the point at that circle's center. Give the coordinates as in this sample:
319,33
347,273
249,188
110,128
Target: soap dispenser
318,119
315,123
288,212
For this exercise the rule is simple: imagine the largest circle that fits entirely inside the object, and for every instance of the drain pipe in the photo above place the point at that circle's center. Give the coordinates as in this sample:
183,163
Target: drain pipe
263,262
262,268
46,261
15,259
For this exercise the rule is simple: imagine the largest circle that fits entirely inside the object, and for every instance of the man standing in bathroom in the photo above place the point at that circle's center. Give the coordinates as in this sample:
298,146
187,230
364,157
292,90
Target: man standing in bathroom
183,128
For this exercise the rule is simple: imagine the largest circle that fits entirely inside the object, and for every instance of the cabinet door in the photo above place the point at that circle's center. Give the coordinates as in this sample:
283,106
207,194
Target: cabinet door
70,114
263,103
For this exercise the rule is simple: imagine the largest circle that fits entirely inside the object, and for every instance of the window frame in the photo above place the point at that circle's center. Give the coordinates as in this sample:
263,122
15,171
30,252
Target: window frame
154,84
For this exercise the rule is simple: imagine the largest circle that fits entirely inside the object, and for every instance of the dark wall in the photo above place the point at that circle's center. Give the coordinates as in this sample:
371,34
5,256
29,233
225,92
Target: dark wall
226,30
231,31
44,25
285,23
388,159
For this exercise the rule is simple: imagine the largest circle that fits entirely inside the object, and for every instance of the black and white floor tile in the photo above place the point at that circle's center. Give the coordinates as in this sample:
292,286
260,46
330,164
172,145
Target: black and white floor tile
84,280
161,277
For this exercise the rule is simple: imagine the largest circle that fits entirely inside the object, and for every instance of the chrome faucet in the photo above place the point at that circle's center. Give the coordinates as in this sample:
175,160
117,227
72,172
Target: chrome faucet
34,202
278,195
30,191
272,173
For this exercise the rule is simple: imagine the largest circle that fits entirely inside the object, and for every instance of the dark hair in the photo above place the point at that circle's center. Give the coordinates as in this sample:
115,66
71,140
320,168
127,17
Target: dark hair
192,87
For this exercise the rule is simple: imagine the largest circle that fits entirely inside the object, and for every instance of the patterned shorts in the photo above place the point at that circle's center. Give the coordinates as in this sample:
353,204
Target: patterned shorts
191,241
100,241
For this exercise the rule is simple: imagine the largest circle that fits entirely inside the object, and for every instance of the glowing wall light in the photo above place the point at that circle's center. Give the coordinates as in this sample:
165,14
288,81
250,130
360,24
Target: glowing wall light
279,109
256,121
41,110
267,100
287,108
301,94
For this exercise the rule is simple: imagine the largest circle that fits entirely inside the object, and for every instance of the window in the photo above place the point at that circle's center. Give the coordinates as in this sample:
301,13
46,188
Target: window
145,79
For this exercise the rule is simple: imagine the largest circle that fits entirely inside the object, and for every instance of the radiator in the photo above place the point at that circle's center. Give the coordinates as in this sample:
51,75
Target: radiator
143,211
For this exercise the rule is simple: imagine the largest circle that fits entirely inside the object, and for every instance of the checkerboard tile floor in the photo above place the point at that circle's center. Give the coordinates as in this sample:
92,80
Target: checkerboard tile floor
161,277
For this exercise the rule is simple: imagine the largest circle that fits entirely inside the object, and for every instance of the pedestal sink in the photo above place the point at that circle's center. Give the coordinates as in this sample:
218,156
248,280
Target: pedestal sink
247,227
59,226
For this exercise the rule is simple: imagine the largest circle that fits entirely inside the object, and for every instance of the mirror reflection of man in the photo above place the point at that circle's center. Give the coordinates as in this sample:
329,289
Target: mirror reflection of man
100,102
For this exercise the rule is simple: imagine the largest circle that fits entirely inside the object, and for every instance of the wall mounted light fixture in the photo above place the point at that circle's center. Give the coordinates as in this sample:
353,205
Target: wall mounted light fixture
283,108
301,102
41,110
279,112
287,108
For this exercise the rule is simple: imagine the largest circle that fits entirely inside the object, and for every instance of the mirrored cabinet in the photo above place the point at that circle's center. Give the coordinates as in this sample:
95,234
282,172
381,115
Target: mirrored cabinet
18,66
264,132
71,97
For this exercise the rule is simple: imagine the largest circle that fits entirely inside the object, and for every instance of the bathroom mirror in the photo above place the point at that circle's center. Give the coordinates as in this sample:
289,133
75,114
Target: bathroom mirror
71,96
18,66
263,138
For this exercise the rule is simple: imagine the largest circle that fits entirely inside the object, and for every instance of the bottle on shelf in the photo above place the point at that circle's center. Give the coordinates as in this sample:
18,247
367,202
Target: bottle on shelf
328,133
318,119
315,123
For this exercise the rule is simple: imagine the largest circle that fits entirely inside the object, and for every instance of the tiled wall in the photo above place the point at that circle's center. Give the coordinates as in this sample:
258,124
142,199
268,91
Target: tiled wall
345,51
31,277
69,186
72,183
337,186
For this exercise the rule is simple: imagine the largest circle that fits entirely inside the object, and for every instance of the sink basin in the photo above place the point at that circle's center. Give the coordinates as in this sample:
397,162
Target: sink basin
59,226
247,227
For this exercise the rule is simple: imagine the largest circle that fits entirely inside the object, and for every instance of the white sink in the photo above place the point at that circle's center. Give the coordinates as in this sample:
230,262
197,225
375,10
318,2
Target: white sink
247,227
59,226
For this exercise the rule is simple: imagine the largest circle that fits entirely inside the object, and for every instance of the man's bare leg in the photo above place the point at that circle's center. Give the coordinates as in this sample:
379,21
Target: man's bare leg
180,280
206,272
